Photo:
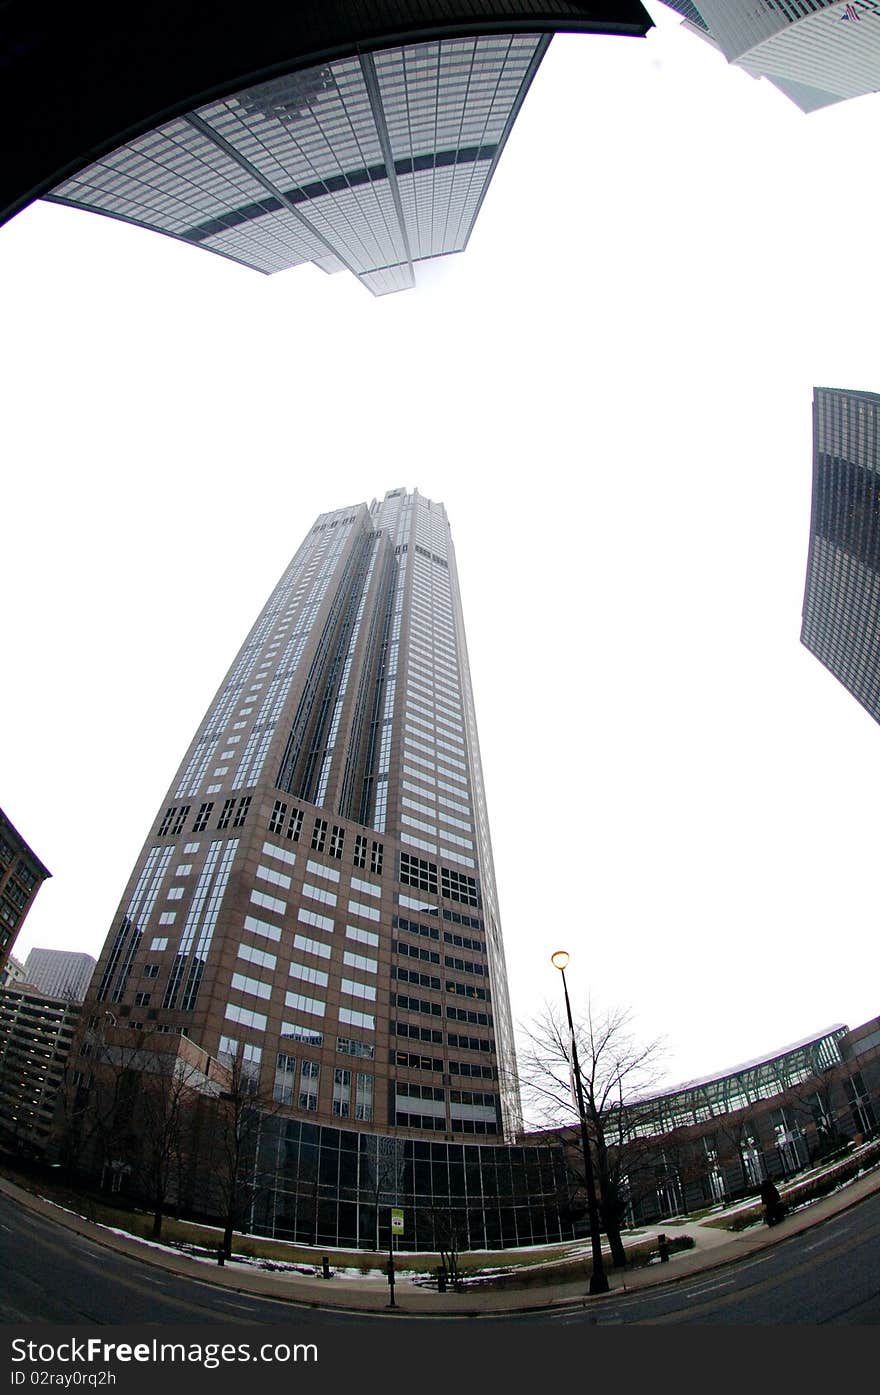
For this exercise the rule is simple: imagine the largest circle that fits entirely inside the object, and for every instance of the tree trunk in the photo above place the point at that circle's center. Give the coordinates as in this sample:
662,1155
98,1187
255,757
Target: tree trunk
227,1237
157,1219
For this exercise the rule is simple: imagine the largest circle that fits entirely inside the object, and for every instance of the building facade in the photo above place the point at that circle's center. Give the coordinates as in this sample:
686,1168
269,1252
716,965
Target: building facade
36,1035
316,897
79,83
841,611
60,973
21,876
372,162
714,1140
817,52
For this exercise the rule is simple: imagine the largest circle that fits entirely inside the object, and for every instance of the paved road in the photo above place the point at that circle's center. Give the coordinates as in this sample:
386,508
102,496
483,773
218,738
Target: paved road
829,1274
50,1274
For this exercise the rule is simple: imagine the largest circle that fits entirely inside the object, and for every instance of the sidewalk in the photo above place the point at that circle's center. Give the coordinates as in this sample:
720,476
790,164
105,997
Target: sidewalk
712,1249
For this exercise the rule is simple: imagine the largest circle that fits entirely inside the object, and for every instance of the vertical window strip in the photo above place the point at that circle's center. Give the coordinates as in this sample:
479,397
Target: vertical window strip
210,920
191,924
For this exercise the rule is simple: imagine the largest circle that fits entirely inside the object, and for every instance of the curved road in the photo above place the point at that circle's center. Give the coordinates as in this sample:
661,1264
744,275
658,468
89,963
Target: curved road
829,1274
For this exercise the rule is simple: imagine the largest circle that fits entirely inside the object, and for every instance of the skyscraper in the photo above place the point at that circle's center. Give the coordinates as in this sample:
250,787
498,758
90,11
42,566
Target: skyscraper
816,52
317,891
315,907
79,82
841,615
371,163
60,973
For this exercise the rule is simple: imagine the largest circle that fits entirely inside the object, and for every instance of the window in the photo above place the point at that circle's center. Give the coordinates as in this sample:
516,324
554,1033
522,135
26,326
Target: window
341,1091
287,825
302,942
242,811
377,856
346,1046
367,937
319,835
337,841
142,999
268,874
246,1017
226,813
308,1085
201,820
269,903
350,1018
151,971
309,975
285,1071
360,851
458,887
158,944
328,873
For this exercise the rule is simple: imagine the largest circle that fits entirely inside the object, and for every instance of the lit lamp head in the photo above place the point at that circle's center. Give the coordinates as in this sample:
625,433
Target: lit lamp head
559,960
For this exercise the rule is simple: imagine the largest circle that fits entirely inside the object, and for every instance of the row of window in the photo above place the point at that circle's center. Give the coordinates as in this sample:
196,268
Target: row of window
414,1061
234,812
287,822
435,1037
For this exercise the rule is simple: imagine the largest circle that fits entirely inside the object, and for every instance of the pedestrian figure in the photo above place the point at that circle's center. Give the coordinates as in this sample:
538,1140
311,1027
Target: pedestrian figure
774,1206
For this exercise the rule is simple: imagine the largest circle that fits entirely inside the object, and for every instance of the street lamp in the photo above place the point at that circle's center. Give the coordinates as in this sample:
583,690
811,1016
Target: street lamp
598,1278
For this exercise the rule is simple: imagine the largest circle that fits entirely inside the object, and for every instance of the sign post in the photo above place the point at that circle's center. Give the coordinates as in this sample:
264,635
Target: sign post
396,1229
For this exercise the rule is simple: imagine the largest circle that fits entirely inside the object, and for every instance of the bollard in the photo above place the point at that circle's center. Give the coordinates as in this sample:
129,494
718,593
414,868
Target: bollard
663,1249
325,1267
221,1255
441,1279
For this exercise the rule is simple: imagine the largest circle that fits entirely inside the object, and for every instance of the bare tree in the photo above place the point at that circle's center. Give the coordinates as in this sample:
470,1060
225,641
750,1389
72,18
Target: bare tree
238,1113
616,1070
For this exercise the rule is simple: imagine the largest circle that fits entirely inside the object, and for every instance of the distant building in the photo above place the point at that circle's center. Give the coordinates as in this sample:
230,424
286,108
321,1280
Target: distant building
62,973
21,876
12,973
36,1033
816,52
841,613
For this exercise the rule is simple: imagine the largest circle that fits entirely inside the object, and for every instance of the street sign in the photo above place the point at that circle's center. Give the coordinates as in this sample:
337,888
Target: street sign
396,1220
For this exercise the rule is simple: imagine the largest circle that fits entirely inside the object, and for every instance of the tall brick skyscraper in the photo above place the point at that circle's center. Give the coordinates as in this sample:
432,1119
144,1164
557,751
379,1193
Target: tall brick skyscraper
317,890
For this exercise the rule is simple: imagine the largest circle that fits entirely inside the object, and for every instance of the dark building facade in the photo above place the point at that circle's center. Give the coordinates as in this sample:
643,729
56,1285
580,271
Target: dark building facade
713,1141
350,136
36,1036
21,876
841,612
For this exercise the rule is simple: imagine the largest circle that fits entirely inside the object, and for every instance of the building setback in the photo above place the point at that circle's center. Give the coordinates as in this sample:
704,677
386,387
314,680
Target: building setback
370,163
841,613
817,52
21,876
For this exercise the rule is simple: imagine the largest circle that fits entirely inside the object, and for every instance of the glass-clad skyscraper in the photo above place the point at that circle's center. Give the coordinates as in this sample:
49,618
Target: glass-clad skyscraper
371,163
317,893
841,616
816,52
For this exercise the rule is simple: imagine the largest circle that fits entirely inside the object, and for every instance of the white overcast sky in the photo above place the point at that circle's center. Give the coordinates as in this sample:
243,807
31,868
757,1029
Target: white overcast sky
610,390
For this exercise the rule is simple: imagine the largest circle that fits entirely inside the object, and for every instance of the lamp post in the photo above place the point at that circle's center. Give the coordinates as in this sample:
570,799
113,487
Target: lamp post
598,1278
